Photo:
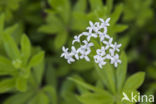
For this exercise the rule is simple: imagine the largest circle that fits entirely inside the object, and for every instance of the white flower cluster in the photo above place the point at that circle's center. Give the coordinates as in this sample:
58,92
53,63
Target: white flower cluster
108,50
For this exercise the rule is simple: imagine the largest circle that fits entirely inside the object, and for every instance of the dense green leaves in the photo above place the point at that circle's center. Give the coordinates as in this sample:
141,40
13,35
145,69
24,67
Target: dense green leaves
18,61
29,78
137,13
6,85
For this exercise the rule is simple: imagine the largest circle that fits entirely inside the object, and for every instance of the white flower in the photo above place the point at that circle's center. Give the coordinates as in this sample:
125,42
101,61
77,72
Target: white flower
85,51
88,45
111,51
106,52
75,52
103,35
115,60
89,35
100,60
108,43
105,23
67,55
116,47
101,51
76,39
65,52
93,27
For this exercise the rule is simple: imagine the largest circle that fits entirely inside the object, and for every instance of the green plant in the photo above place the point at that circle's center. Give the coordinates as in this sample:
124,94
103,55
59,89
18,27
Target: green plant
110,85
16,63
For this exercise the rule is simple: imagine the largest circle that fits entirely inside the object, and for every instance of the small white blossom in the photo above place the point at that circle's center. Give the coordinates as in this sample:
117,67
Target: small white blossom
101,51
100,60
111,51
93,27
89,35
76,39
65,52
84,51
105,23
103,35
67,55
115,60
88,45
116,47
75,52
108,43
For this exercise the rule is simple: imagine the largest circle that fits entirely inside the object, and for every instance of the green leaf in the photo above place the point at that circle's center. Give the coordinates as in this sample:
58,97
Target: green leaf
120,28
63,8
40,98
135,81
79,21
102,76
94,98
107,76
85,85
25,48
49,29
51,77
10,30
60,39
95,4
21,83
2,20
6,67
53,26
124,40
6,85
109,4
11,47
121,71
22,98
36,59
67,92
38,72
116,14
80,6
51,92
82,65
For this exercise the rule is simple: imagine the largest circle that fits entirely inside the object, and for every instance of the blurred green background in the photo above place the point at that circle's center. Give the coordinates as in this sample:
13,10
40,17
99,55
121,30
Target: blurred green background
51,24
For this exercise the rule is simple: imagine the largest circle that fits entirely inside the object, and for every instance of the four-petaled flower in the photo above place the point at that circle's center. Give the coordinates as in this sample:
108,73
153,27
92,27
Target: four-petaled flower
76,39
75,52
101,51
67,55
89,35
93,27
108,43
99,60
103,35
116,47
105,23
115,60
